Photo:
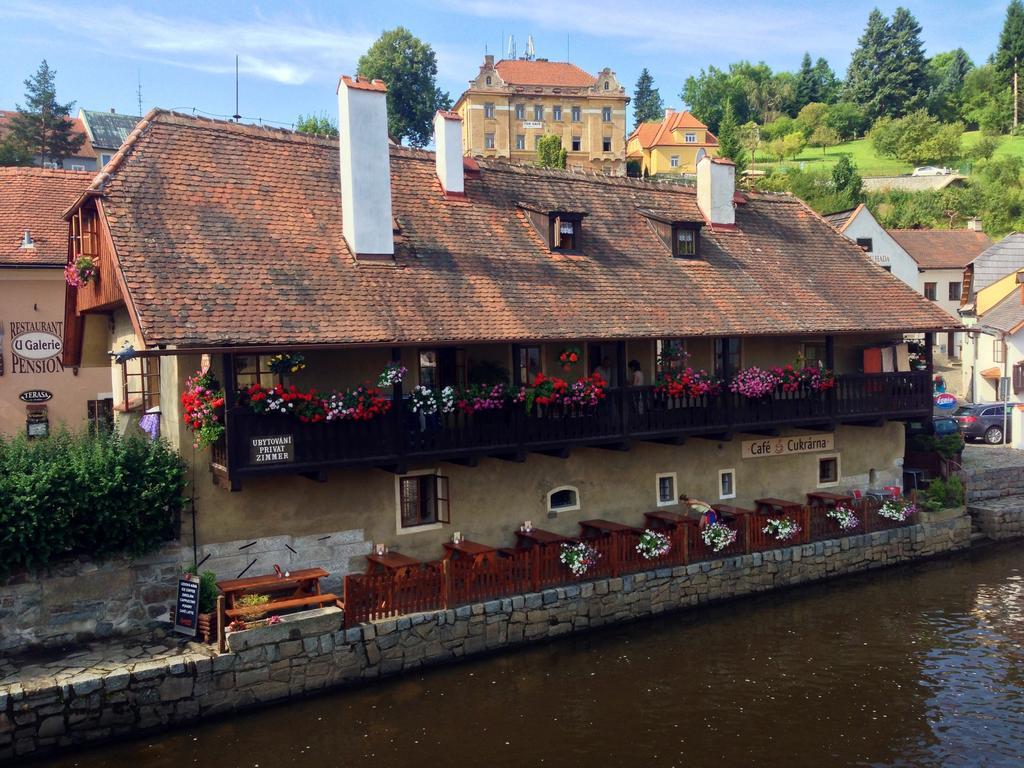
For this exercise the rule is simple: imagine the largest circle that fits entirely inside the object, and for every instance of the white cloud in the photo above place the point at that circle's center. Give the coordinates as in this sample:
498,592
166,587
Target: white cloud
281,49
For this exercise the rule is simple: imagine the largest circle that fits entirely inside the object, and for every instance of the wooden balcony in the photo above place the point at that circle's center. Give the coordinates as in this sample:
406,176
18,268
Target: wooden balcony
636,413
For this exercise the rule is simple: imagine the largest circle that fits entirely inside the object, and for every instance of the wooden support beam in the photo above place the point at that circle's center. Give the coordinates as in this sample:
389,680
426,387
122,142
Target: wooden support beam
517,456
674,440
825,426
718,437
396,469
621,445
556,453
768,432
319,476
465,461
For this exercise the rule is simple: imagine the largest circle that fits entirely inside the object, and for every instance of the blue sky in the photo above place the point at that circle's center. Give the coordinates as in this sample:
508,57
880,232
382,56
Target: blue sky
291,53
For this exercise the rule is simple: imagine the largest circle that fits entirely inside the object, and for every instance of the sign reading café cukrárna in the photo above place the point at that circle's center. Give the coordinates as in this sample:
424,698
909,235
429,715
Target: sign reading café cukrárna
780,446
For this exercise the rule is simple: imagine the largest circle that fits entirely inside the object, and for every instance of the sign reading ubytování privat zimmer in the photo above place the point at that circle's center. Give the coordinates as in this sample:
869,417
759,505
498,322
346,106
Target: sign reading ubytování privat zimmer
780,446
273,449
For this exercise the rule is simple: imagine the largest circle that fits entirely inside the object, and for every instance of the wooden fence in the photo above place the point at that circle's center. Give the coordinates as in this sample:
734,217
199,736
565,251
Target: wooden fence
448,583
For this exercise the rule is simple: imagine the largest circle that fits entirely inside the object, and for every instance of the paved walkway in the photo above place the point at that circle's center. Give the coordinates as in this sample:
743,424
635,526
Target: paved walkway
43,669
992,456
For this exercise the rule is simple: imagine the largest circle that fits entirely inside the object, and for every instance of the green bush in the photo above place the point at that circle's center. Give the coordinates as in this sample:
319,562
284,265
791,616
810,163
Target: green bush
207,589
98,495
942,494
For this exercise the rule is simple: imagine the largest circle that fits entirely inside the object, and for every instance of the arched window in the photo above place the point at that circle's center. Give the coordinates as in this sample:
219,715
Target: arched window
488,79
563,499
606,85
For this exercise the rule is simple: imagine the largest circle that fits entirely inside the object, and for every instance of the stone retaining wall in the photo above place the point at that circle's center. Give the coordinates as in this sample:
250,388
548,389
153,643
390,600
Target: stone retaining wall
993,482
311,651
81,600
1001,518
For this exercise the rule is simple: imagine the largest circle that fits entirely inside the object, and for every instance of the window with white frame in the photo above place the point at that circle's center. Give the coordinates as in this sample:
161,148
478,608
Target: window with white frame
488,109
520,141
488,141
727,484
674,161
606,114
556,113
577,114
576,143
691,138
666,488
520,111
828,471
538,112
563,499
422,500
606,144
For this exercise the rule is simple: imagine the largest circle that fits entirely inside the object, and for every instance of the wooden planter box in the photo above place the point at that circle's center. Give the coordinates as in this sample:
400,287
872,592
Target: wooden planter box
207,627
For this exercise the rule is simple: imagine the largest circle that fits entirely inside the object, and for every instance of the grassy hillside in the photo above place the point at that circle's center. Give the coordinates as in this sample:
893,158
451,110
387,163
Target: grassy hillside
871,164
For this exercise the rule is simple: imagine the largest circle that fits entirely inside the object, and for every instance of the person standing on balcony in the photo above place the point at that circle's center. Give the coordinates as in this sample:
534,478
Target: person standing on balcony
604,370
636,374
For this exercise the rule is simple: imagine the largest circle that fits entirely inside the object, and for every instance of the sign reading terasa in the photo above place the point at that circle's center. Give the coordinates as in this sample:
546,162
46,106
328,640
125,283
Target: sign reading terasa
276,449
186,609
35,396
780,446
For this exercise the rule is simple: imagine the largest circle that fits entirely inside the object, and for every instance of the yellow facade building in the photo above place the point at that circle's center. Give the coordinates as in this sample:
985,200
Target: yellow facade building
512,103
671,146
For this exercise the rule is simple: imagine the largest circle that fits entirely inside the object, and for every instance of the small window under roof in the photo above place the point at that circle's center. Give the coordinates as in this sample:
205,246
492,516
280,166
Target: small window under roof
561,229
680,236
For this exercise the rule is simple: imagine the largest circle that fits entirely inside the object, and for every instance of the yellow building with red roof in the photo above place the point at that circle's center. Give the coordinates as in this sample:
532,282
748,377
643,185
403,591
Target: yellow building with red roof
671,146
512,103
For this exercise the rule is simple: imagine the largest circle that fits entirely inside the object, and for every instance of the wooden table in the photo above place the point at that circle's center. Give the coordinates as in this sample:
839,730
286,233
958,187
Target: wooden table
298,583
826,499
595,528
466,548
663,519
535,537
389,562
770,506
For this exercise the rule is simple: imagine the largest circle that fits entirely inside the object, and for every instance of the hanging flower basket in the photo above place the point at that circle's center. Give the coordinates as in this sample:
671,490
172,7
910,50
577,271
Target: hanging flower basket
202,404
579,557
569,356
782,528
845,516
287,362
718,536
392,374
688,383
81,272
424,400
653,544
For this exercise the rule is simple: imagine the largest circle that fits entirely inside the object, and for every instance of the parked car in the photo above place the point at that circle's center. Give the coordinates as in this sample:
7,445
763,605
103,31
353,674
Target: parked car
984,421
931,170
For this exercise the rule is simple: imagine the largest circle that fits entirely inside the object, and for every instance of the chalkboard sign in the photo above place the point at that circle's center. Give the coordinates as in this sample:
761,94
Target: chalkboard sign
186,612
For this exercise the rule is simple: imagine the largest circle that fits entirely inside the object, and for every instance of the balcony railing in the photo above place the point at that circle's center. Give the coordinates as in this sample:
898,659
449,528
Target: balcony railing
640,413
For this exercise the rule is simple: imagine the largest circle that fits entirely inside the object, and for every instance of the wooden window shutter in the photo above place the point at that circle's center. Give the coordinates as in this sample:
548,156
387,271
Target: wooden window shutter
442,490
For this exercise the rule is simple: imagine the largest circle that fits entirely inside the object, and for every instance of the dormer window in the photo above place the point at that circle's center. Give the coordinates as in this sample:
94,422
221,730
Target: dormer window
561,230
691,138
681,237
488,81
606,85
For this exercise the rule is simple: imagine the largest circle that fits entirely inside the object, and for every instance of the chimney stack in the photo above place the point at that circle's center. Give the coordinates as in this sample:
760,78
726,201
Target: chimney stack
716,185
974,224
448,157
365,166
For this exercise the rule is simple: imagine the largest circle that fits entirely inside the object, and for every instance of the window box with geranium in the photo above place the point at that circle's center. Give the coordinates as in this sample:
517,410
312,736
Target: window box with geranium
782,528
202,404
688,383
718,536
569,357
755,383
579,557
81,272
844,516
653,544
897,509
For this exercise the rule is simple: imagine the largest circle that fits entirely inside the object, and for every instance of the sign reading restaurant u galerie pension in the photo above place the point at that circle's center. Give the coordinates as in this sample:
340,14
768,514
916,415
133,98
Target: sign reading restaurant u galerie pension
780,446
36,346
275,449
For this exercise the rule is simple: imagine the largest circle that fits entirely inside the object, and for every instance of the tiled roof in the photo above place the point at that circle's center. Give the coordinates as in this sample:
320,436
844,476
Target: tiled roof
997,261
660,134
86,150
231,234
34,199
840,219
522,72
108,130
1007,315
941,248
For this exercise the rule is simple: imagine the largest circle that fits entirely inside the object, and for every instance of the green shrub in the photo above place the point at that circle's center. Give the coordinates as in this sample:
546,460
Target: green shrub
99,495
207,589
942,494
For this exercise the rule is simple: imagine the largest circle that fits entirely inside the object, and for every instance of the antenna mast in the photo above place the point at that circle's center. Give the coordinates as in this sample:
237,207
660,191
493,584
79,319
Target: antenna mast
511,47
139,93
237,116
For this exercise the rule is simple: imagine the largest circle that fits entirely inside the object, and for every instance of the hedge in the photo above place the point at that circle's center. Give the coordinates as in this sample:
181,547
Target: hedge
93,494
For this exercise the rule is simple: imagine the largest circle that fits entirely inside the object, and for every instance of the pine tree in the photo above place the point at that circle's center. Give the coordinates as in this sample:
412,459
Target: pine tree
862,76
647,104
1010,53
806,83
828,84
729,144
887,73
43,127
907,66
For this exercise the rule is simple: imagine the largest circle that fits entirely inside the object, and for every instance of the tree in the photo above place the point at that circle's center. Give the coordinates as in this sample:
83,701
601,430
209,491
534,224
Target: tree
984,148
823,137
318,125
887,72
987,100
846,181
846,119
750,137
43,127
729,145
550,152
1010,52
707,93
13,153
828,83
647,104
918,138
807,83
409,68
789,146
811,117
946,75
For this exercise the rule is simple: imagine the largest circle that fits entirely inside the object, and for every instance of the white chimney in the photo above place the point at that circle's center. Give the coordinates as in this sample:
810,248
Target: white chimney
716,185
974,224
365,165
448,157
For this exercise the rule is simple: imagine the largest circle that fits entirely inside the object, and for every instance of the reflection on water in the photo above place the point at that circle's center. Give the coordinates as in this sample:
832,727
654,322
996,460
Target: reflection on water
913,666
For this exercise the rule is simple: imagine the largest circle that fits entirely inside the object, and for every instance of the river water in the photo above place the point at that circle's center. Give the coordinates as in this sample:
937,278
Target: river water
920,665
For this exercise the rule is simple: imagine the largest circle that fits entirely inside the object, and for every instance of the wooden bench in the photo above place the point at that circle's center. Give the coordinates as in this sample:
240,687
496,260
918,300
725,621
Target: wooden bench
288,604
